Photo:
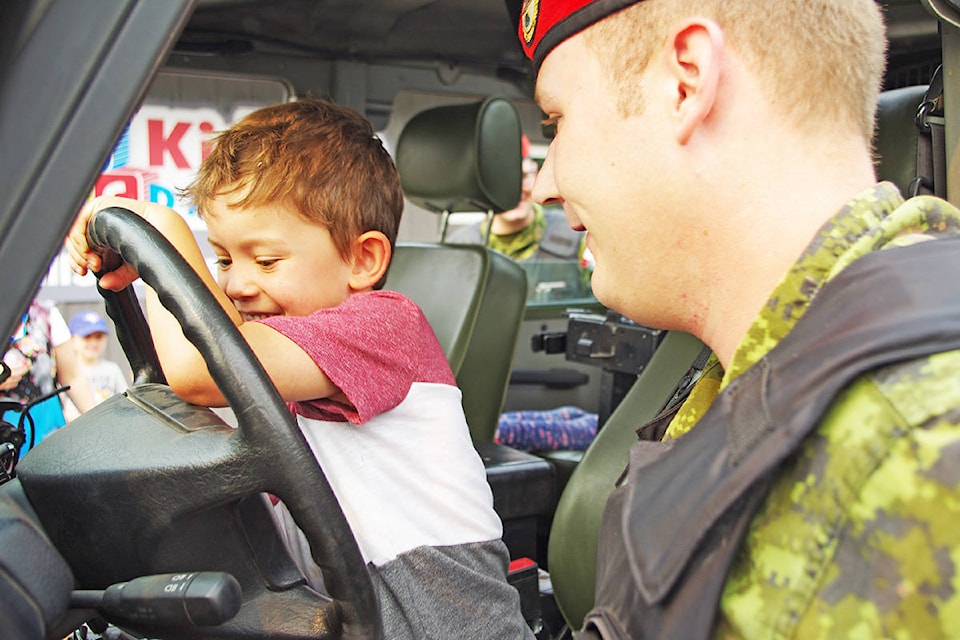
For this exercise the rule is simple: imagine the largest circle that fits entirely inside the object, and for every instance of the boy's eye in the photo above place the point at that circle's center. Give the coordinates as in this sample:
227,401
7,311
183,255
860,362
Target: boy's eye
267,263
222,263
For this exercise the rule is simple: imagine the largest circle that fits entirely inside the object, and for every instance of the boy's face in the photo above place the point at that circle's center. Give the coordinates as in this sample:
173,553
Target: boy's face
270,261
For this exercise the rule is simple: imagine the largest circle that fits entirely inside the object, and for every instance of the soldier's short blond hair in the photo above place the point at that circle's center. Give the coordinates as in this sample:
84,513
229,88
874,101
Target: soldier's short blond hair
824,59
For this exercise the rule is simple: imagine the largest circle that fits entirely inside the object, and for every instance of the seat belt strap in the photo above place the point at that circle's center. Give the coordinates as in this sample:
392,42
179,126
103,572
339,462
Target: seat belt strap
931,177
657,426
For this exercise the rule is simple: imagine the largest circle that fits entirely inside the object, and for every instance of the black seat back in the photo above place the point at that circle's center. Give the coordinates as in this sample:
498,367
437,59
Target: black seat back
897,135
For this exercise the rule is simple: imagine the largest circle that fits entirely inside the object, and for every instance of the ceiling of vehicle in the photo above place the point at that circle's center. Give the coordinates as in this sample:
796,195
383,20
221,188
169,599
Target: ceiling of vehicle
478,33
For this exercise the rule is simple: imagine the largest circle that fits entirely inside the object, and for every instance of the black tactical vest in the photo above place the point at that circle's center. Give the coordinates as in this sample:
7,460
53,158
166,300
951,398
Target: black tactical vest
671,530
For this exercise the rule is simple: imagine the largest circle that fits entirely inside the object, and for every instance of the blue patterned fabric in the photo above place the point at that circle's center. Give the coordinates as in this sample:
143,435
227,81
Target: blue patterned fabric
567,428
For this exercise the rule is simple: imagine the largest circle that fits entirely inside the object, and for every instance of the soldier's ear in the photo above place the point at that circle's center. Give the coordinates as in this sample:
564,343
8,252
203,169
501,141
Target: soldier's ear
693,57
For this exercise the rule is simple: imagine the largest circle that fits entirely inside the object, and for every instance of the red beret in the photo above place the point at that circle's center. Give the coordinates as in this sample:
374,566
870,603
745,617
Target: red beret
546,23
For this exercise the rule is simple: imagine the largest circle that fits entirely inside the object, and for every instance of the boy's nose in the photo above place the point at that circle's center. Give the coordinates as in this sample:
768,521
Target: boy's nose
238,284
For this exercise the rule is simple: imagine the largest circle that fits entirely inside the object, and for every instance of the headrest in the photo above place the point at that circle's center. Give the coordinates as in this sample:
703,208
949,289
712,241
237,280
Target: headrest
895,141
463,157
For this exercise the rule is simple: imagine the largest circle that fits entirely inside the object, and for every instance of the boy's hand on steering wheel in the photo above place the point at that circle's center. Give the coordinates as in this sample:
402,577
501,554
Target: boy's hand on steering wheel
83,258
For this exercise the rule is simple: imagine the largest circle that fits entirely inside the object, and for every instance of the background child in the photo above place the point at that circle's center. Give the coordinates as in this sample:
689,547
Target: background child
302,205
90,333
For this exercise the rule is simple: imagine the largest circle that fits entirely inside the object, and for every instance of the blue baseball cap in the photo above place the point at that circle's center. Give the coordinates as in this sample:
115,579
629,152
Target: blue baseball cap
87,322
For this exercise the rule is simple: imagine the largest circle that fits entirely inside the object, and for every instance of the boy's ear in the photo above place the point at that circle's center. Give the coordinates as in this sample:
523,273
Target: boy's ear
371,257
694,58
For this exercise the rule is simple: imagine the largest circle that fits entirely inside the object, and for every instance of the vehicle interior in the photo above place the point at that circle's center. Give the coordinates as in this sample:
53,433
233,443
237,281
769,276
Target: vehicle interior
147,485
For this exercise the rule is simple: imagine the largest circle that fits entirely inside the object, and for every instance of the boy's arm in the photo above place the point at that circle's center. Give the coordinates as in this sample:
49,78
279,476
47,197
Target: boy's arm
295,374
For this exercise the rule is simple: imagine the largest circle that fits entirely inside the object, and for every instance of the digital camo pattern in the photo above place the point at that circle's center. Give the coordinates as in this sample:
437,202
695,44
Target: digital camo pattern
860,537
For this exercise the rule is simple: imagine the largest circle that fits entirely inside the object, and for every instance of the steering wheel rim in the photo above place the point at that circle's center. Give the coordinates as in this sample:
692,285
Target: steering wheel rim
266,430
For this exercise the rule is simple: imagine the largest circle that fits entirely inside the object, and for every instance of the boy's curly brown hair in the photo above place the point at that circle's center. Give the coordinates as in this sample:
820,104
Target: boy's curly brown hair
321,159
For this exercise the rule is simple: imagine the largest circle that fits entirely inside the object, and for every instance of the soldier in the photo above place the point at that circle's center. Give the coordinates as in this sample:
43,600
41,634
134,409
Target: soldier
720,196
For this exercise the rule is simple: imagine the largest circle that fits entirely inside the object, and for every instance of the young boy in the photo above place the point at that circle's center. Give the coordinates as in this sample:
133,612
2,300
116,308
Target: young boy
302,205
90,332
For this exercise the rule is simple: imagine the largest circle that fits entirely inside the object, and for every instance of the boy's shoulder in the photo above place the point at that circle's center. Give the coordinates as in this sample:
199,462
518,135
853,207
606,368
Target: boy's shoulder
383,299
381,309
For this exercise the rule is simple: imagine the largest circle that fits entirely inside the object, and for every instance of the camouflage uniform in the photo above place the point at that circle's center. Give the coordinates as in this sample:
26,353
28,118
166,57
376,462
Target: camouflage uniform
860,536
522,244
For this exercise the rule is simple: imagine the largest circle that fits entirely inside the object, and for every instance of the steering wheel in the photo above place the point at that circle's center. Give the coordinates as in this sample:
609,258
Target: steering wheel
146,483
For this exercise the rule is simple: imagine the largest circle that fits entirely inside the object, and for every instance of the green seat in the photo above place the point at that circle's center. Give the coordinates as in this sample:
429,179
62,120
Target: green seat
572,547
453,158
467,158
473,298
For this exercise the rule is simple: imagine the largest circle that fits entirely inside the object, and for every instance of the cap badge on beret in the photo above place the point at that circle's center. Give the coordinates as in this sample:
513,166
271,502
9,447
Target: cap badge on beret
546,23
528,20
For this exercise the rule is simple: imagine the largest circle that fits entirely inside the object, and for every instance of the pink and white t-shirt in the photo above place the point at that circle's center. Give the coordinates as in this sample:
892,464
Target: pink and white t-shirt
403,467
